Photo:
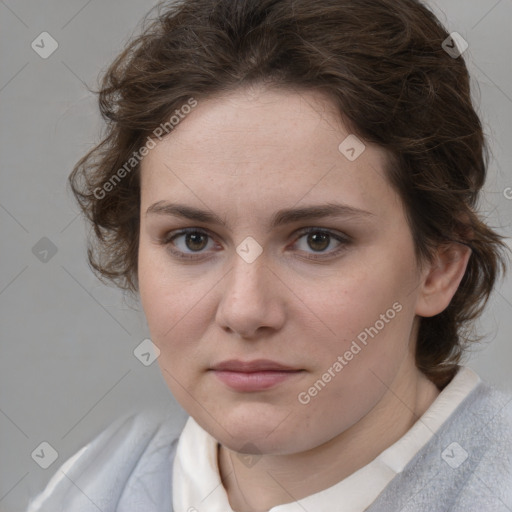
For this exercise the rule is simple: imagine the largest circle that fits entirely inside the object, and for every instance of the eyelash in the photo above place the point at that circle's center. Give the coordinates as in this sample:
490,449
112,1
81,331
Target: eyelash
343,239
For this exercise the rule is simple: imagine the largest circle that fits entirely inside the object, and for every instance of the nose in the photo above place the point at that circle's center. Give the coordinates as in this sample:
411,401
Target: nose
252,300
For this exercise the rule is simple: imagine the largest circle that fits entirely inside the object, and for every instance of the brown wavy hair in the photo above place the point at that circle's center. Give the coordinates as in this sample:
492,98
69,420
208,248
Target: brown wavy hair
382,64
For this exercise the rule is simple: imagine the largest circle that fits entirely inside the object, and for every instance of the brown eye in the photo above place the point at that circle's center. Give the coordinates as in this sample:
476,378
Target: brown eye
318,241
196,241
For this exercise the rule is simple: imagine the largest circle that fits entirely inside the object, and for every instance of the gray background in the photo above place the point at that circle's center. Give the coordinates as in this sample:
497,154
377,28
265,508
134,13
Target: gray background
67,367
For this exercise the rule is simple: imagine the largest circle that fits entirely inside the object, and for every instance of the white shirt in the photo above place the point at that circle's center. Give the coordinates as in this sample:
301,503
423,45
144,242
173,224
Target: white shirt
197,486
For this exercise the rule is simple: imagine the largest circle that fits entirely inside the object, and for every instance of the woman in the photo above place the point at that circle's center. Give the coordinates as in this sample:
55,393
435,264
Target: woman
291,186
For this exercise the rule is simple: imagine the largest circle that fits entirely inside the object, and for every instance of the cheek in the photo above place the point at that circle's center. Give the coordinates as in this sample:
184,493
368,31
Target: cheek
367,319
177,307
166,297
174,321
356,298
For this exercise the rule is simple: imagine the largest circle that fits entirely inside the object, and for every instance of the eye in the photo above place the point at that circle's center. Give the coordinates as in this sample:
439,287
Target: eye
319,240
190,243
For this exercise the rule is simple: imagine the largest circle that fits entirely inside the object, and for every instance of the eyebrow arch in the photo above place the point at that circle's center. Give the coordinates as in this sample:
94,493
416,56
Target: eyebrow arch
281,217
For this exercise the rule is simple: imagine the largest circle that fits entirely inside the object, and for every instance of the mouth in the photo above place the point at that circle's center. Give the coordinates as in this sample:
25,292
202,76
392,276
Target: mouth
254,375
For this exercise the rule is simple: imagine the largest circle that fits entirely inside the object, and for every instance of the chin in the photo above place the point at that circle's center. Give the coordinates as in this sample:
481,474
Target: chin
254,428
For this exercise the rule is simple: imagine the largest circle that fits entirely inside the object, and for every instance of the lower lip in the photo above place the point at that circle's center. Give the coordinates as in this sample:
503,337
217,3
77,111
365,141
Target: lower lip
254,381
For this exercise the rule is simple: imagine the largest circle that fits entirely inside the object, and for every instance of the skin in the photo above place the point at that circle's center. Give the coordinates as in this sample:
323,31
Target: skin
244,155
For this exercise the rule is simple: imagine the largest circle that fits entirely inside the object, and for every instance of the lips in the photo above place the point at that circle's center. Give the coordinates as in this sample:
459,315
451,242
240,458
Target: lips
257,365
257,375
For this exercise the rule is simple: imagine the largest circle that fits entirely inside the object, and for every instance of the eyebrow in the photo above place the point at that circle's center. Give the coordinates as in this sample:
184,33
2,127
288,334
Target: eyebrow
281,217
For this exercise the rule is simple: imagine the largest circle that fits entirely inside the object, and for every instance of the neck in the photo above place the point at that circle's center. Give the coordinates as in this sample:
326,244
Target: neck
279,479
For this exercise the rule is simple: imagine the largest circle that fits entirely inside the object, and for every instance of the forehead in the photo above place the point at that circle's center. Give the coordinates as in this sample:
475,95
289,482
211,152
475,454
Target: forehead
265,147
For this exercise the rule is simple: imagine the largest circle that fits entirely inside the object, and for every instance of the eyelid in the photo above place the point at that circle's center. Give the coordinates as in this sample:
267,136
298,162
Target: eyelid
171,235
319,229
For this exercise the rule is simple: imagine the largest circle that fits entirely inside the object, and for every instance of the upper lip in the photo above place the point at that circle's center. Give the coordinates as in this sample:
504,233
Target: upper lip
235,365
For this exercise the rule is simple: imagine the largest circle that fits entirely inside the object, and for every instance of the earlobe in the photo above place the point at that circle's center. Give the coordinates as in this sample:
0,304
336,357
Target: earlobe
442,278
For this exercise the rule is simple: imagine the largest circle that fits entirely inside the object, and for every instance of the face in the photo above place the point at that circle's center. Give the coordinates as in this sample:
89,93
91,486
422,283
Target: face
268,272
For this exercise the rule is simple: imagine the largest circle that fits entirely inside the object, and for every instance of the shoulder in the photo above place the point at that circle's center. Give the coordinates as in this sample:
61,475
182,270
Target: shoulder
117,466
483,423
467,464
486,442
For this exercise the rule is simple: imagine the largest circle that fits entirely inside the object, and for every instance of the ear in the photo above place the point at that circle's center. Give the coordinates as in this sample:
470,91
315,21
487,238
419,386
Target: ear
441,278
